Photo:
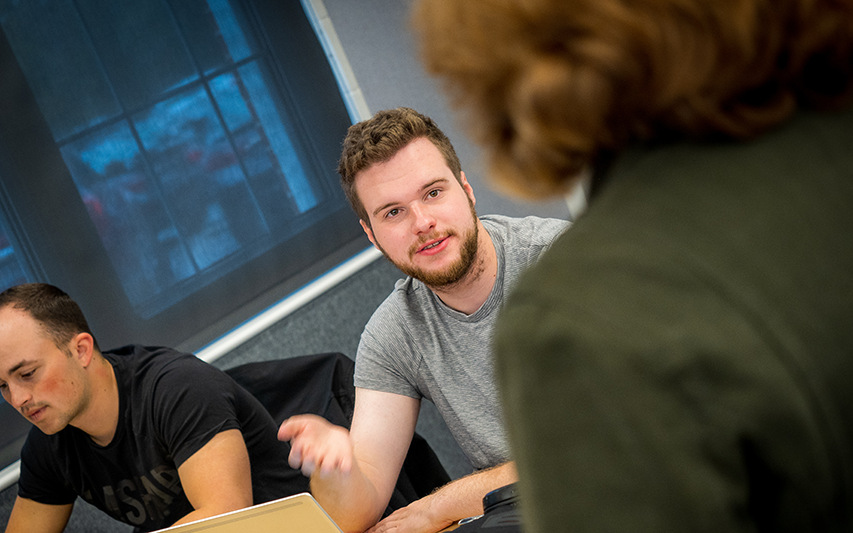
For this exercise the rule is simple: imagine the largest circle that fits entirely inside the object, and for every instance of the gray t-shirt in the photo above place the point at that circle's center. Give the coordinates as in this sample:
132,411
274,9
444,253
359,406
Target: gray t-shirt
414,345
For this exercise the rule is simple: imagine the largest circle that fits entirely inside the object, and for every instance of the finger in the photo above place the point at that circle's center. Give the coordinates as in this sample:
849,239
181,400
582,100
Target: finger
327,463
300,450
327,467
308,467
291,428
295,458
381,526
378,528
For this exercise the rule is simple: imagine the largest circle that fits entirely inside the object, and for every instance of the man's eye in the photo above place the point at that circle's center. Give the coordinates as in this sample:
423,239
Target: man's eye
392,213
433,193
28,375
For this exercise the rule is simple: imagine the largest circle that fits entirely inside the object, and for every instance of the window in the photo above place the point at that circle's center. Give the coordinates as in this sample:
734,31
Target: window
168,163
12,272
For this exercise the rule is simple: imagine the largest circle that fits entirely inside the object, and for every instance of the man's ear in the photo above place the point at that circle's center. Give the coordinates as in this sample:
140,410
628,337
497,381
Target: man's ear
369,233
467,187
83,348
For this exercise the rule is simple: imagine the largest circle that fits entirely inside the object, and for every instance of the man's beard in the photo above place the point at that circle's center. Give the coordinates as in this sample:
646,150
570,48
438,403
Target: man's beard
455,272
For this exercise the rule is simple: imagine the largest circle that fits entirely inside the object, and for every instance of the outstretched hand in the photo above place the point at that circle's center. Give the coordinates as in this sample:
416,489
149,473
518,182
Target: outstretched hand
317,445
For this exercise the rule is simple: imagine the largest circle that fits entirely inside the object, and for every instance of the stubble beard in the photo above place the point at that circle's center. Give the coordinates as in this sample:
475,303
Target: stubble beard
454,273
63,417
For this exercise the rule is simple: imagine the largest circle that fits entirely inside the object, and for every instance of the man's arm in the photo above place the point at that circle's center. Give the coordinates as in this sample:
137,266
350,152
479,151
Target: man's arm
30,516
456,500
217,478
354,473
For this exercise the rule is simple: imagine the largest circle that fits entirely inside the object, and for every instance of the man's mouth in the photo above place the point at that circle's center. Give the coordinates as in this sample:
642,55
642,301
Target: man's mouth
35,414
432,245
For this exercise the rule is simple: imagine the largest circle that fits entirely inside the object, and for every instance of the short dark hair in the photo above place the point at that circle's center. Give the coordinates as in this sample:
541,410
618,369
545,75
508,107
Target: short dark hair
59,315
379,138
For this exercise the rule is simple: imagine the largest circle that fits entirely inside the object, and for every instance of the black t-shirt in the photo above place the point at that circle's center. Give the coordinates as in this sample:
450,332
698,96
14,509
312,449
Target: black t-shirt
171,405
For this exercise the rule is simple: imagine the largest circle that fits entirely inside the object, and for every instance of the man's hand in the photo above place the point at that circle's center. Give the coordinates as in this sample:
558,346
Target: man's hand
353,472
414,518
457,500
317,444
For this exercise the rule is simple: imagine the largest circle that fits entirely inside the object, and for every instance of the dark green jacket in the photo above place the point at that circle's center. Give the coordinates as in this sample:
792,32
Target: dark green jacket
682,358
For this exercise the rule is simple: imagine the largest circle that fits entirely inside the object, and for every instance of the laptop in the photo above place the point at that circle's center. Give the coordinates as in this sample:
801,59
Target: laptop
299,513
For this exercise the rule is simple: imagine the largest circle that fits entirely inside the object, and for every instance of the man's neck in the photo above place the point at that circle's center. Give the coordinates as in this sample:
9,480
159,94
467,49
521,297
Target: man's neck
470,293
101,416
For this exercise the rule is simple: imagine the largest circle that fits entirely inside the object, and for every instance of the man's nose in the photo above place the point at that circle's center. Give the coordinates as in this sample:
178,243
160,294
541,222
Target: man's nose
16,396
424,221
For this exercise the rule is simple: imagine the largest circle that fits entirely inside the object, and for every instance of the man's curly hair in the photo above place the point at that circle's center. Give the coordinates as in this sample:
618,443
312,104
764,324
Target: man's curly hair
551,87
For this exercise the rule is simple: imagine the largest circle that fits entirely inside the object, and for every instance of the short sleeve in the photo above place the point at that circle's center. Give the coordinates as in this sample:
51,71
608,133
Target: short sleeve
385,366
191,403
41,479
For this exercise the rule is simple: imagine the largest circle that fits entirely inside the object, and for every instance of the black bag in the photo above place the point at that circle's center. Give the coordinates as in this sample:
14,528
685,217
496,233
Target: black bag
500,513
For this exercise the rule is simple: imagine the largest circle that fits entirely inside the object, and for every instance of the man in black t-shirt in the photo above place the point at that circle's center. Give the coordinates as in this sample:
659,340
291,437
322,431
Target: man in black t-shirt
151,436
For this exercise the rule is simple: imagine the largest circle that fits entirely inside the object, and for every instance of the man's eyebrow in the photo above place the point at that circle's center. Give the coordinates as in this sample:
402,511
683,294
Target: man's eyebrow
433,182
18,366
426,186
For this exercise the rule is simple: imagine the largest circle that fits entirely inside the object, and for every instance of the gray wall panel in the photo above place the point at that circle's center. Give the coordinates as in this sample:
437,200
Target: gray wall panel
382,52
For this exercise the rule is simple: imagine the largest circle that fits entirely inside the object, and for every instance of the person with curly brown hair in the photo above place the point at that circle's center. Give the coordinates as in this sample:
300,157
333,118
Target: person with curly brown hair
682,360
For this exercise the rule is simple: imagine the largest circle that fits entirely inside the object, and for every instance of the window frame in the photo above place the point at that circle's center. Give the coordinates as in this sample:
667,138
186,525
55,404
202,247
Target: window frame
71,256
91,282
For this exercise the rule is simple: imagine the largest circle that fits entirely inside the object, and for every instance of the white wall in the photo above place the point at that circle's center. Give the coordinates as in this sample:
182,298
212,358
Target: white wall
382,53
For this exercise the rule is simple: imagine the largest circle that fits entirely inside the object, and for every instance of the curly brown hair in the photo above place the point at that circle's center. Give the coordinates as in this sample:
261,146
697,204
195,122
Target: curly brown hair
554,86
379,138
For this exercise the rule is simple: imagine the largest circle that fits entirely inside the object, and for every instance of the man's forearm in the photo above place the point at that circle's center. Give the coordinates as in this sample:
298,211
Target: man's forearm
207,512
457,500
464,497
29,516
350,499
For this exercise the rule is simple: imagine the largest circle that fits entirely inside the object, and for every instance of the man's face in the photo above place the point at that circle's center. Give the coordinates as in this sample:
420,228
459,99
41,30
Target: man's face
47,385
421,217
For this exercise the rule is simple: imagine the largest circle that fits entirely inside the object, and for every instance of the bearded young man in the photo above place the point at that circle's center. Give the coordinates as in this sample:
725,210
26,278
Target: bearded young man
430,338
